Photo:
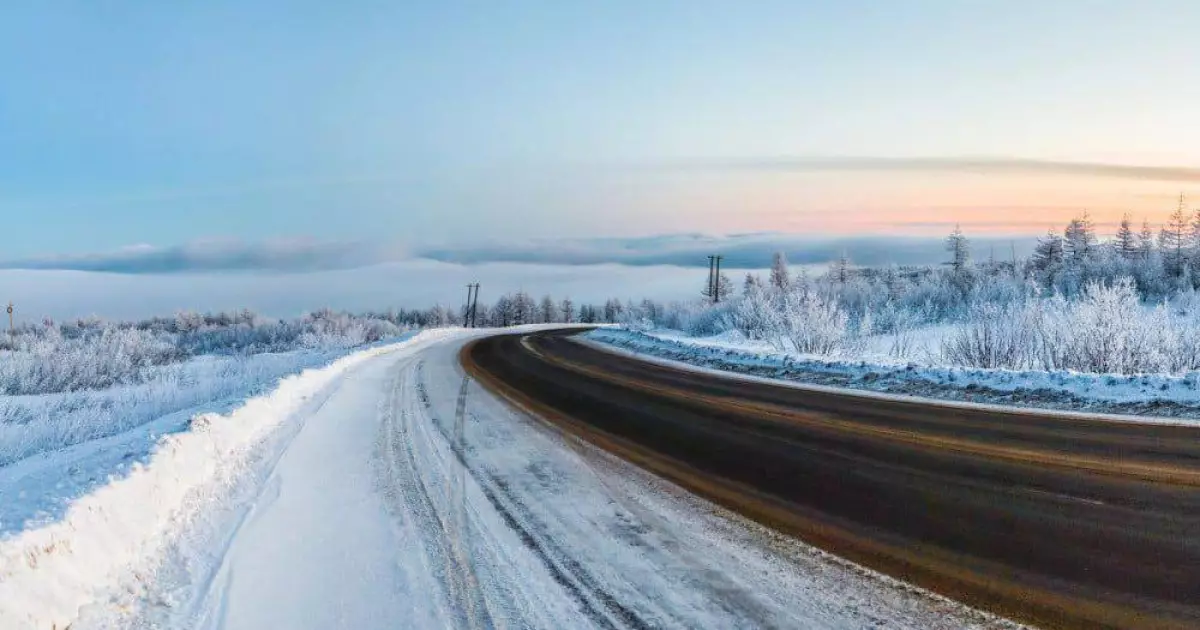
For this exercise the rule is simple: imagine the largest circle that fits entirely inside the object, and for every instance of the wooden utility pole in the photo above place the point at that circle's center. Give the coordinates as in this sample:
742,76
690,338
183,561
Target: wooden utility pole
10,318
711,286
717,281
467,306
474,304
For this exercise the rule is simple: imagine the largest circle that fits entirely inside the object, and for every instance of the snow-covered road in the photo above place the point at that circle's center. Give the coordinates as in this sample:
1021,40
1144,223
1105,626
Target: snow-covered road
405,495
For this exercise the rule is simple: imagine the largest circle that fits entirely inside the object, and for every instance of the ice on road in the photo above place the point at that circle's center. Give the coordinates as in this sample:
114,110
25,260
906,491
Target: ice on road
411,497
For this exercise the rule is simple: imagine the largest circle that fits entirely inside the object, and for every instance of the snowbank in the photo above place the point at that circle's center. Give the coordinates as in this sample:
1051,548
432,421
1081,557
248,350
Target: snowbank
44,422
1148,394
110,539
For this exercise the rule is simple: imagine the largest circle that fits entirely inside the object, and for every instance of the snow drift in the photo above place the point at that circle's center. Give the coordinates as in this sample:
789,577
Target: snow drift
111,539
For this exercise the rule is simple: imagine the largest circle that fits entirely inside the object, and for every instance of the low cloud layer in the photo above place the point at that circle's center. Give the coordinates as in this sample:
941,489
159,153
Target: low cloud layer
217,256
741,251
407,284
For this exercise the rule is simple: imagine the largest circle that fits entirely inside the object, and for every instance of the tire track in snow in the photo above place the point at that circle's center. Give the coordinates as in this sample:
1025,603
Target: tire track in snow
600,606
456,577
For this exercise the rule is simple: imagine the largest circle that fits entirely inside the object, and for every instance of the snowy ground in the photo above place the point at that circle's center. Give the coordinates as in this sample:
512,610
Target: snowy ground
55,448
1152,397
388,490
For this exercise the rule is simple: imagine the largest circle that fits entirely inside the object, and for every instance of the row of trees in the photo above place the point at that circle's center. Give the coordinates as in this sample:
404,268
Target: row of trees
515,309
1160,264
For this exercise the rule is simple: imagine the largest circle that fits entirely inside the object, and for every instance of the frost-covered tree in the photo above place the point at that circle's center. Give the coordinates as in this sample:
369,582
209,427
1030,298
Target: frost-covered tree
800,283
1173,241
1125,242
758,314
959,250
750,282
524,309
567,308
1079,239
502,312
1145,241
724,287
612,310
546,310
1048,253
441,316
780,278
839,272
648,309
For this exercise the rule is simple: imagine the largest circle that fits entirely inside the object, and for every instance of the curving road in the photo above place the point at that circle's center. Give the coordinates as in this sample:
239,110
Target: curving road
1058,521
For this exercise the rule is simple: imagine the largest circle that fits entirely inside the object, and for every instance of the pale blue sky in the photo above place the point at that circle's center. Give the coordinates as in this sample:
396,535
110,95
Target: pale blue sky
159,123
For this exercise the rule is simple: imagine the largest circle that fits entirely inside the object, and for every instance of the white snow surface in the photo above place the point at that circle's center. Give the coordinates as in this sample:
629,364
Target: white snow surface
55,448
390,490
108,542
729,354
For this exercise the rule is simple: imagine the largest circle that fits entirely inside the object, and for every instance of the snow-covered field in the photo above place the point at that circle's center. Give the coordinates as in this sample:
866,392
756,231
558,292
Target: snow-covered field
1153,397
387,490
105,544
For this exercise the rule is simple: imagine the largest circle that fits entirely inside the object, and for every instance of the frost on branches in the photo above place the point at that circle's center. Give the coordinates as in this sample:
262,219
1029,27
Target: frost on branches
1127,305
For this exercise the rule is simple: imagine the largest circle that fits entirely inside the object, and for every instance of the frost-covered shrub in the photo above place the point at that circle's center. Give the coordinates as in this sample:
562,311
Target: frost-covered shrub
92,354
1106,329
758,315
813,324
797,320
993,336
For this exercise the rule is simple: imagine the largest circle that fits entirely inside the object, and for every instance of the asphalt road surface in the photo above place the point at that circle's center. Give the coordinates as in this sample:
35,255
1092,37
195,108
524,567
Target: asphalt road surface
1059,522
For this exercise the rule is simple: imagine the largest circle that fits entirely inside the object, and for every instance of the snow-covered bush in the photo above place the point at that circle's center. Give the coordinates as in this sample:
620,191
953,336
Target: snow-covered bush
757,315
798,319
1106,329
92,354
993,336
812,324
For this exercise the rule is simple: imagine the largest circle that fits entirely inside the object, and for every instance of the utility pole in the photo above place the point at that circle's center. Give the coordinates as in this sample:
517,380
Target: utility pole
717,281
474,305
711,287
467,306
10,319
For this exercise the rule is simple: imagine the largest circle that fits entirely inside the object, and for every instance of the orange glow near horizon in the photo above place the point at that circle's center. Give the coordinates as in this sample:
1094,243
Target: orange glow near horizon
923,203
